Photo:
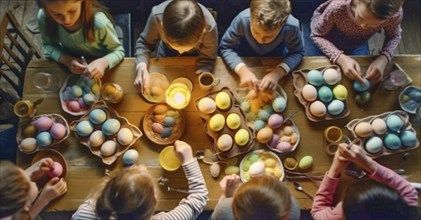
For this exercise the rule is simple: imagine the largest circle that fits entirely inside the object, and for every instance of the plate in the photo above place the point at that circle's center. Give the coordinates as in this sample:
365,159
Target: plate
283,137
56,118
410,99
158,83
154,124
87,86
262,155
300,80
110,114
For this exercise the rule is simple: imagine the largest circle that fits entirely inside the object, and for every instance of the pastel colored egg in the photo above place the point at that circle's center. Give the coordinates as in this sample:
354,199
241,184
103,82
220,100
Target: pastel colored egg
160,109
318,109
130,157
325,94
76,91
336,107
379,126
96,139
309,93
275,121
274,141
96,89
242,137
215,170
245,106
89,98
157,91
169,121
28,145
157,128
125,136
166,132
233,121
217,122
223,100
288,130
408,138
264,135
108,148
361,87
44,139
56,171
258,124
231,170
224,142
84,128
394,122
97,116
392,141
110,126
279,104
43,123
363,129
207,105
73,106
315,77
58,131
305,163
257,169
340,92
284,147
331,76
373,145
263,115
415,94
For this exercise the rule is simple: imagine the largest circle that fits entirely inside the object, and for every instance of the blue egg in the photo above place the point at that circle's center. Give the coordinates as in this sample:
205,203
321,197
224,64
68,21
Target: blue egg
166,132
315,77
325,94
410,106
415,95
361,87
169,121
373,145
44,139
84,128
111,126
268,108
408,138
97,116
336,107
258,124
394,122
263,115
392,141
89,98
279,104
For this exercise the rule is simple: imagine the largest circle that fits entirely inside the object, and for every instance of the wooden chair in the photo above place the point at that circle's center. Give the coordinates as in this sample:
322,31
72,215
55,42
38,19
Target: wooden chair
16,51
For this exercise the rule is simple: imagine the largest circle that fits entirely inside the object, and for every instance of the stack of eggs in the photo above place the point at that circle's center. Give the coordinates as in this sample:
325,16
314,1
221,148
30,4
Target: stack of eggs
165,122
43,132
389,133
80,95
158,83
224,121
260,162
324,93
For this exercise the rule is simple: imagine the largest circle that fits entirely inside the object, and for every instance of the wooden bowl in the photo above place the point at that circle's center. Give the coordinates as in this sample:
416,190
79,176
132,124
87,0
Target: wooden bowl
263,155
124,123
177,129
54,155
300,80
159,80
56,118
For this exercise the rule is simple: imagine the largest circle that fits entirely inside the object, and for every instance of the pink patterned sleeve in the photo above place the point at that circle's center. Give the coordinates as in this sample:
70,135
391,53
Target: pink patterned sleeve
323,207
393,35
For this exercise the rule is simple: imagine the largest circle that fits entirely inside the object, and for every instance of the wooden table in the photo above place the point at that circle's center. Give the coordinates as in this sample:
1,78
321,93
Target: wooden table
85,169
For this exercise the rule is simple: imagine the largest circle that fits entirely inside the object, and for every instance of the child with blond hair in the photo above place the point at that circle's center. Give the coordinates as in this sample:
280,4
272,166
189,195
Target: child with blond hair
267,28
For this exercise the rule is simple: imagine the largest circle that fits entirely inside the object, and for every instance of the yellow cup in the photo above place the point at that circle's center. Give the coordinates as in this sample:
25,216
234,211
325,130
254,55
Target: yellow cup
333,134
26,108
168,160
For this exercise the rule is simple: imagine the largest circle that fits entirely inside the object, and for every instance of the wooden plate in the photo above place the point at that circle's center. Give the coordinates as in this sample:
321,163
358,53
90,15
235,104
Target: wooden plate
54,155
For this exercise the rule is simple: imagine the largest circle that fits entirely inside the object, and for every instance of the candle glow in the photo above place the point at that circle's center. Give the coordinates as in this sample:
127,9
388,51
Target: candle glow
178,95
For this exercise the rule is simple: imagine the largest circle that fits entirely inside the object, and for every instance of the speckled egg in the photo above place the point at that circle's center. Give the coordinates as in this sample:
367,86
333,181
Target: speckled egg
305,163
233,121
169,121
108,148
258,124
96,139
110,126
207,105
43,123
84,128
264,135
217,122
28,145
315,77
97,116
363,129
336,107
223,100
325,94
257,169
331,76
275,121
130,157
318,109
284,147
379,126
157,128
373,145
44,139
340,92
392,141
309,93
125,136
242,137
279,104
408,138
58,131
361,87
394,122
224,142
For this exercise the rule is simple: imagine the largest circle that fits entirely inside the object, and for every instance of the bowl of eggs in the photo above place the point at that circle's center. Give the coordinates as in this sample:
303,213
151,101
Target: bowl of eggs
41,131
78,93
59,168
105,132
261,162
155,92
321,94
410,99
225,123
384,134
163,125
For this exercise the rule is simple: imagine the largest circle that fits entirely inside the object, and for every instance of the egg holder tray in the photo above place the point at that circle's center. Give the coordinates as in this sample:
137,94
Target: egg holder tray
55,156
111,113
148,96
71,80
155,137
300,80
235,149
406,91
407,126
240,96
262,153
56,118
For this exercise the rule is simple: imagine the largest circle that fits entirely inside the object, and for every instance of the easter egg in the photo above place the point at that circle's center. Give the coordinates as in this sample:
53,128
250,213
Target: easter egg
110,126
258,124
56,170
394,122
362,98
363,129
392,141
379,126
108,148
89,98
408,138
28,145
29,131
315,77
73,106
275,121
318,109
160,109
97,116
305,163
242,137
331,76
224,142
44,139
264,135
274,141
157,127
373,145
215,169
166,132
245,106
125,136
325,94
223,100
58,131
340,92
76,91
84,128
309,93
43,123
336,107
130,157
217,122
233,121
279,104
361,87
96,139
207,105
263,115
284,147
169,121
257,169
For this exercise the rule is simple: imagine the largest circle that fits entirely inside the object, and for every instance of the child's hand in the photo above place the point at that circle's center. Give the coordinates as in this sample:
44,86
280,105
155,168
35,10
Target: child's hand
96,68
229,184
350,68
40,168
376,69
142,78
54,188
75,65
270,80
183,152
247,78
338,164
357,155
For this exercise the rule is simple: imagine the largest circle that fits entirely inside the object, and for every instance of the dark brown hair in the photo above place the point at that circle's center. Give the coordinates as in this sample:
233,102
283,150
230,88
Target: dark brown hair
384,9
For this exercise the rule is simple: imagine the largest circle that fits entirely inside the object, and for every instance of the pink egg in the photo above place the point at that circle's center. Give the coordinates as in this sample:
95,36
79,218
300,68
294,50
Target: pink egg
284,147
157,128
81,103
74,106
274,141
56,171
43,123
58,131
275,121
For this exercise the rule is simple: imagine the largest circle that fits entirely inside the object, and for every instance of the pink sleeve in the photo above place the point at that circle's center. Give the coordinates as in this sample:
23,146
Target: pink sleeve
390,178
393,35
323,207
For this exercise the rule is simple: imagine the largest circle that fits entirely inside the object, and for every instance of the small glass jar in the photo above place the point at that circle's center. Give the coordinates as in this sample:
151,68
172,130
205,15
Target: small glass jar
112,93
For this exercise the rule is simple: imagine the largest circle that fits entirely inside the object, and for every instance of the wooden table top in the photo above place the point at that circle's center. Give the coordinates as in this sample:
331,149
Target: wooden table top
85,169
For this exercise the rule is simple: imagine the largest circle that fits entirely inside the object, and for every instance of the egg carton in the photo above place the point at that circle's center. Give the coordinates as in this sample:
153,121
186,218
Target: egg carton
413,93
300,80
110,113
235,149
56,118
263,154
385,151
156,96
148,121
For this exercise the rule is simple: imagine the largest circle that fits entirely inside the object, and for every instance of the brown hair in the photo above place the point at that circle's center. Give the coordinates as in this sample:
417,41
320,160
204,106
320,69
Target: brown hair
264,197
269,14
128,195
14,189
88,10
183,22
384,9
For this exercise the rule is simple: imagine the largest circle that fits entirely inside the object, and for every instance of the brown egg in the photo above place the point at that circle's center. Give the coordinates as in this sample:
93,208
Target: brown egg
160,109
264,135
363,129
29,131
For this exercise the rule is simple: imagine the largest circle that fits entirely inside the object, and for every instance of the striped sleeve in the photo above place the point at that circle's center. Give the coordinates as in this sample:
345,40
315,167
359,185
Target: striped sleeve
193,205
86,211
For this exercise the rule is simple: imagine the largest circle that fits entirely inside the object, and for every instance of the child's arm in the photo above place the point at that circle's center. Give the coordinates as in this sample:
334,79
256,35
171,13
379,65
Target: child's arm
54,188
39,169
109,39
147,40
208,51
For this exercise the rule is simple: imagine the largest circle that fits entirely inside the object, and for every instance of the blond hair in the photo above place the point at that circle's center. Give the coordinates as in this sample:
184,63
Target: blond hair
183,22
269,14
264,197
384,9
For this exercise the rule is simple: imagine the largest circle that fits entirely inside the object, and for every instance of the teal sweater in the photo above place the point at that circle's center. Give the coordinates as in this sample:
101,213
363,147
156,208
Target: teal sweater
74,44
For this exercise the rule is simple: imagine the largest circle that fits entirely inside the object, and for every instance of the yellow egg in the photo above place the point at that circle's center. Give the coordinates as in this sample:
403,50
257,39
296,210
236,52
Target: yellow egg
264,135
242,137
340,92
157,91
160,109
317,109
224,142
223,100
363,129
233,121
309,93
288,130
217,122
270,162
95,89
207,105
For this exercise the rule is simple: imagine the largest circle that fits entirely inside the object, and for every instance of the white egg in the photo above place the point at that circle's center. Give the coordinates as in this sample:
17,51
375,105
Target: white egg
331,76
125,136
108,148
28,145
257,169
96,138
309,93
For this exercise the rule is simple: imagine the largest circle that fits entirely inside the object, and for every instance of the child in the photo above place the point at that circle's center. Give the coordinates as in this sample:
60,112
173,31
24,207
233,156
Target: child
174,28
265,29
130,194
382,199
74,28
340,27
263,197
19,197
